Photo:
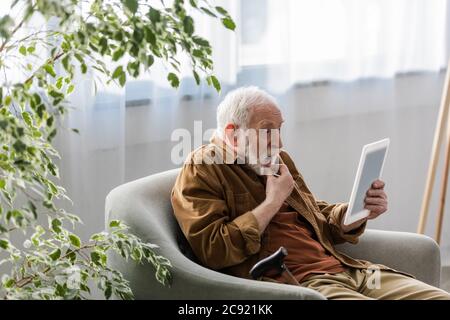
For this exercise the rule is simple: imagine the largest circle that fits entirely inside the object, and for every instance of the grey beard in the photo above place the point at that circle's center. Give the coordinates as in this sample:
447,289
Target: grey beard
262,170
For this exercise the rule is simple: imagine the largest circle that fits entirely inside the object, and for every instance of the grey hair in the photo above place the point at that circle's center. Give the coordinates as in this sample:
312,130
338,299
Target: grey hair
237,104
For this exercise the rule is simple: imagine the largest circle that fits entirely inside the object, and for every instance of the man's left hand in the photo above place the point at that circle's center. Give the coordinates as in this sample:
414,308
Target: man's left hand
376,200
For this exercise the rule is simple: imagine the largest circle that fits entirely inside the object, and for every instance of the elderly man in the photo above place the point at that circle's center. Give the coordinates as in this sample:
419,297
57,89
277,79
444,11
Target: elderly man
238,201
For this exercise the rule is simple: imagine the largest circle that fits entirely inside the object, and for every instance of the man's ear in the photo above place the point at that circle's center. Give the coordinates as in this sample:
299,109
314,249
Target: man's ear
231,134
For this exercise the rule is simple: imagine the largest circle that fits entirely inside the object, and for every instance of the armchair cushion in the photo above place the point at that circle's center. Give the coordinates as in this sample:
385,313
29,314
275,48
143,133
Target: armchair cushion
412,253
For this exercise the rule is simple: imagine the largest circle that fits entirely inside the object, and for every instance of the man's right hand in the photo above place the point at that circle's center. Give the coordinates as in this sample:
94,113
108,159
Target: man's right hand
279,188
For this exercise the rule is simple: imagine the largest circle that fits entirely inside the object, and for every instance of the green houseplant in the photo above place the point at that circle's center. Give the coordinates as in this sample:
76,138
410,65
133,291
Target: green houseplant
50,261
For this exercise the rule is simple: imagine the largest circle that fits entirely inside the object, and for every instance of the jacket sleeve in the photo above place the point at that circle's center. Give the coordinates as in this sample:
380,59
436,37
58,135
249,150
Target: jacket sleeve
204,217
334,213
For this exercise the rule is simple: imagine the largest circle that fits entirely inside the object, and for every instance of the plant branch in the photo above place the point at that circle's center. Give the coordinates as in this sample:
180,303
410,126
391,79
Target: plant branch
24,281
24,18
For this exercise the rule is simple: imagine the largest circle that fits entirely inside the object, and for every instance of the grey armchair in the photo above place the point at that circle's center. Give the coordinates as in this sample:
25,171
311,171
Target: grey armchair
144,205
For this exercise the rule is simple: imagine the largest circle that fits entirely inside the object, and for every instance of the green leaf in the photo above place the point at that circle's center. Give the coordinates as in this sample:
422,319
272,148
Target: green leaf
32,208
27,118
222,11
150,60
8,282
59,82
118,54
19,146
215,83
56,225
71,255
154,15
188,25
196,77
108,292
79,57
229,23
136,254
8,100
55,94
6,24
197,53
95,257
55,254
175,66
114,223
208,12
118,35
50,70
104,45
23,50
65,62
150,36
117,72
85,288
173,79
52,186
4,244
31,49
50,121
83,68
2,183
122,79
131,5
60,290
73,217
99,236
133,68
200,41
50,136
53,169
138,35
70,89
75,240
101,258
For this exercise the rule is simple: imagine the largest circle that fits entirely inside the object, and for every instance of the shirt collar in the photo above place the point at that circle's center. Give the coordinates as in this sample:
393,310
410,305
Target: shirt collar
229,156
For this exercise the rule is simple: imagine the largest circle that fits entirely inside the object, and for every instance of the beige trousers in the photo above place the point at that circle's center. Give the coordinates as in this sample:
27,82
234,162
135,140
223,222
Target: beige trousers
367,285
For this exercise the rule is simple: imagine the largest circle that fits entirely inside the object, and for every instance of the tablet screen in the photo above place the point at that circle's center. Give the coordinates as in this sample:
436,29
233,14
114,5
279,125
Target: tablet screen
370,172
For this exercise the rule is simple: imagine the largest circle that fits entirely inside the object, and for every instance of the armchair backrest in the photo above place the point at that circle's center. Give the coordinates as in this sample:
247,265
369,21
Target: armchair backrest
151,195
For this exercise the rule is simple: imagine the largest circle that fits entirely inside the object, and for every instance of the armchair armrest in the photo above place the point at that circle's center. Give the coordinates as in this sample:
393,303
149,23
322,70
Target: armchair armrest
191,281
412,253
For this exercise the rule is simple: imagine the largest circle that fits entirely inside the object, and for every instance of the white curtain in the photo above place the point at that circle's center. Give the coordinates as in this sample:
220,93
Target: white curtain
297,41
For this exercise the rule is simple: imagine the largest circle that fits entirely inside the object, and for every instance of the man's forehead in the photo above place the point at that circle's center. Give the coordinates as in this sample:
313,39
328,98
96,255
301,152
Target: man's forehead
267,115
270,123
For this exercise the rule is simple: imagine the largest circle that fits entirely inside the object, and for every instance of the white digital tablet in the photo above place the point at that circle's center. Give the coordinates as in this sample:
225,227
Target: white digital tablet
370,168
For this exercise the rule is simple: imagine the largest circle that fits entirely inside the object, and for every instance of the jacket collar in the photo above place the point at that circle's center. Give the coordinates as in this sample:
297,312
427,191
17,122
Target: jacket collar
224,150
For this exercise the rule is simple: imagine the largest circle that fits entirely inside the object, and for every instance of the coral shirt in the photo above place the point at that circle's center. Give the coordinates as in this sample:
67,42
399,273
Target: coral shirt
306,255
